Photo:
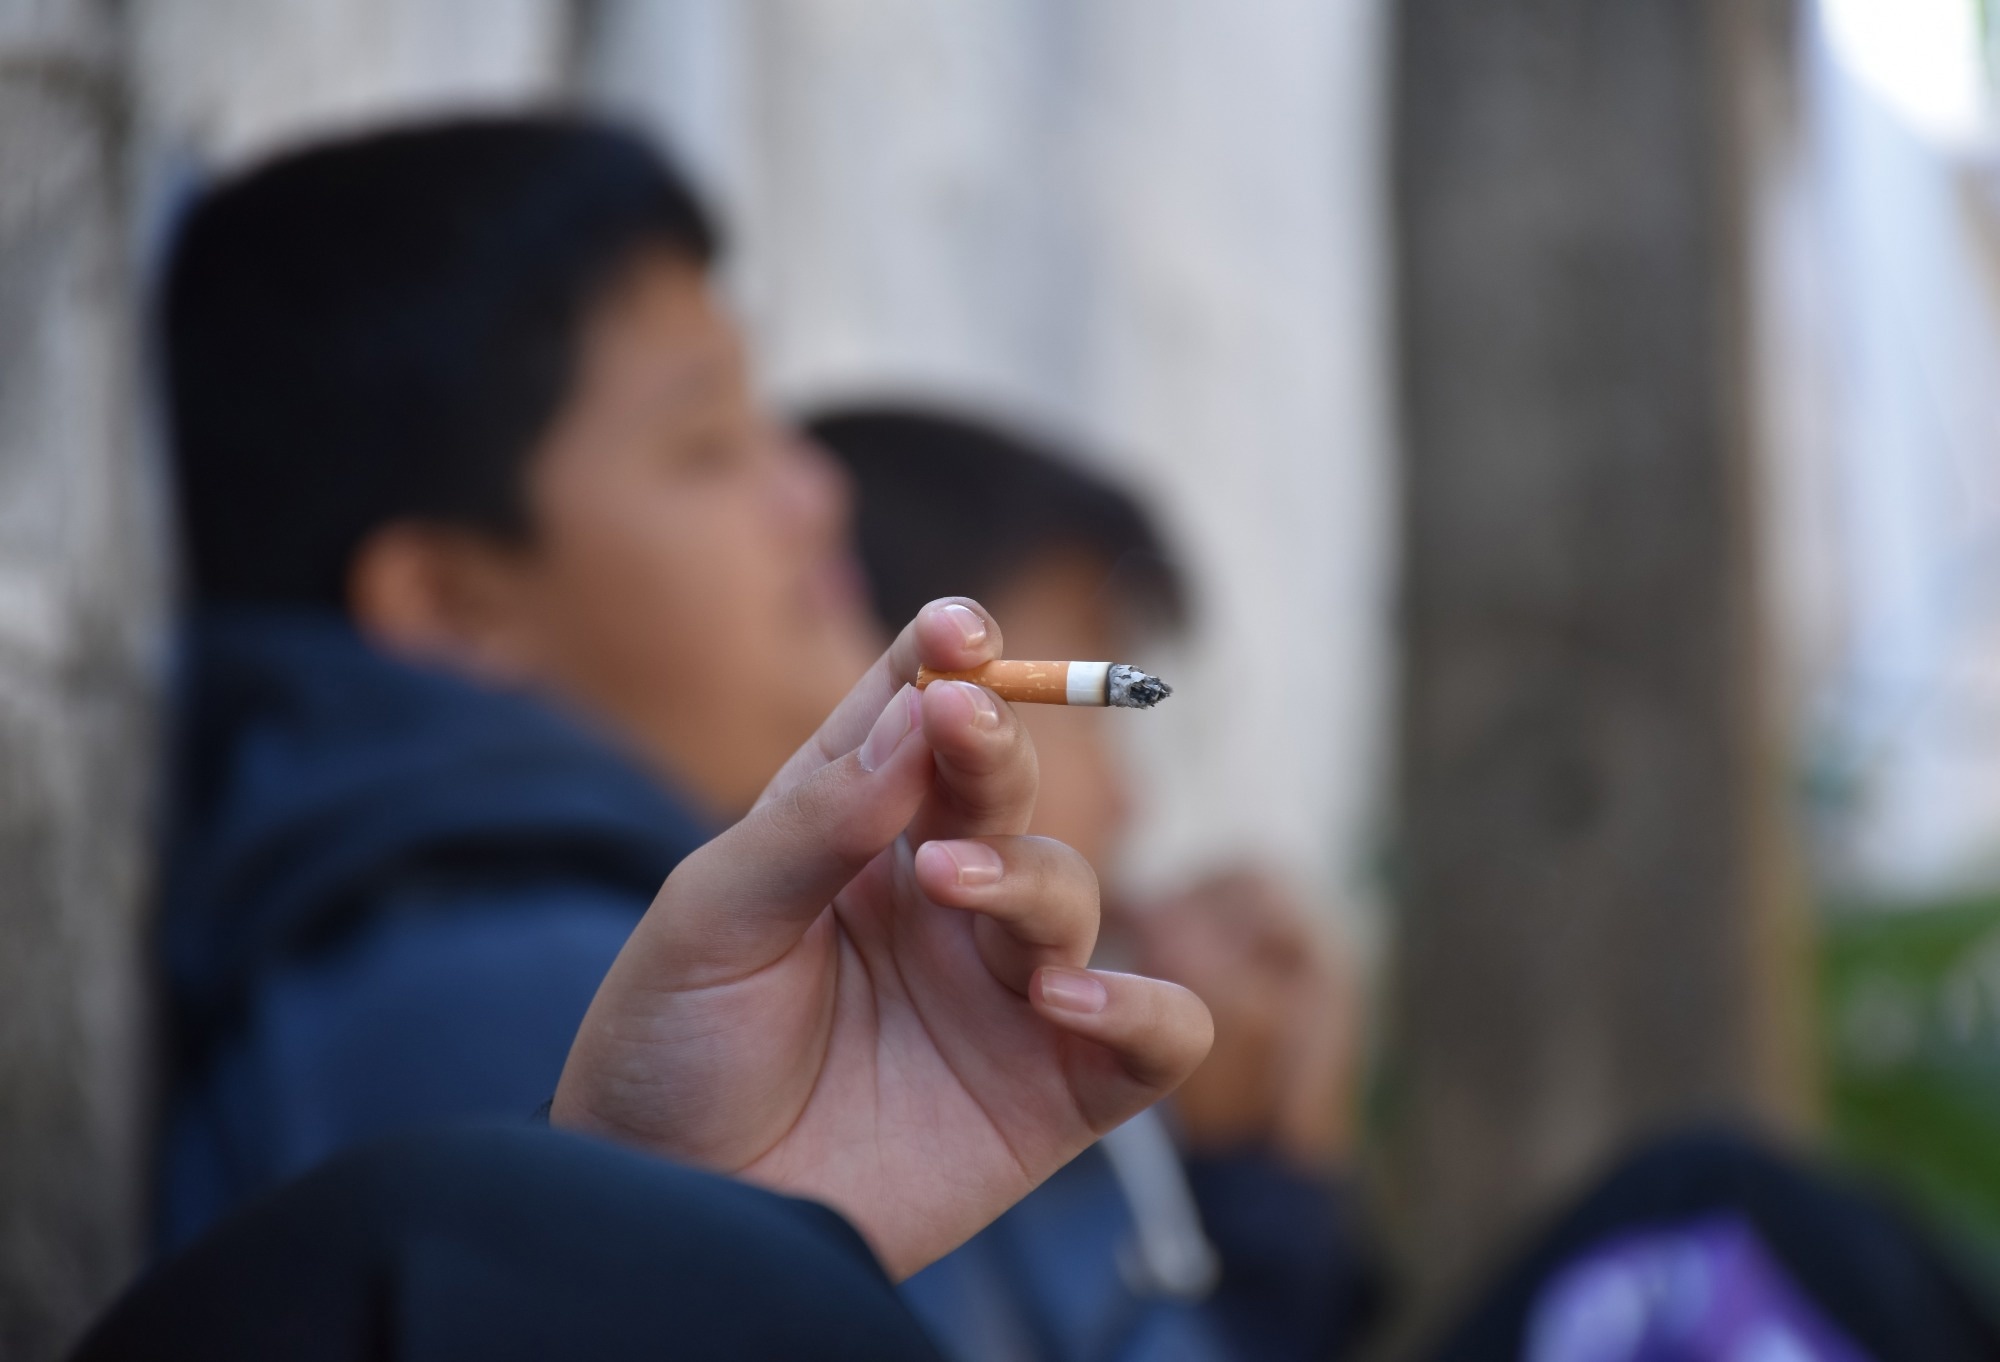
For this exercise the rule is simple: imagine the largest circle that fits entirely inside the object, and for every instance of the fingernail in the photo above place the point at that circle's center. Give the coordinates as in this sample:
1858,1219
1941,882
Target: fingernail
971,628
1073,991
976,863
898,717
985,713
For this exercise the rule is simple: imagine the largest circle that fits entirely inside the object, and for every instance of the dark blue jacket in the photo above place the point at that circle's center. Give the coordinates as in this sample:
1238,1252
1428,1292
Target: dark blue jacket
389,896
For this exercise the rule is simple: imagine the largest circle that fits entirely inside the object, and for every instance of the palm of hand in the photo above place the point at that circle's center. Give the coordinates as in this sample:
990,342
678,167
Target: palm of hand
908,1072
820,1001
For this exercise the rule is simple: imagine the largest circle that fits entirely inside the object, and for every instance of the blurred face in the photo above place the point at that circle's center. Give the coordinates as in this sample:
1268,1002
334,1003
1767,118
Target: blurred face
686,578
1059,610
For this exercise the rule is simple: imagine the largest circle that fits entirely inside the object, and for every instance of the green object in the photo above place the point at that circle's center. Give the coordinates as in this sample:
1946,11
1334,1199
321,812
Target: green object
1910,1011
1988,17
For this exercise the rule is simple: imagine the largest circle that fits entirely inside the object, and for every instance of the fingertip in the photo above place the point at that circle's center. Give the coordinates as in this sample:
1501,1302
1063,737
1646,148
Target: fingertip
937,874
1068,992
956,632
1159,1030
953,867
971,624
961,705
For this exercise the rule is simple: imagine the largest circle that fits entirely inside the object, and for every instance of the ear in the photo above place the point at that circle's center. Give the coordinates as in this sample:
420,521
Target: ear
445,595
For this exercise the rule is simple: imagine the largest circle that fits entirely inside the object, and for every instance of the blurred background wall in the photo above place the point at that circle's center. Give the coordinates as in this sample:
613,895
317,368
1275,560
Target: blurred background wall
1878,269
80,600
1699,313
1155,230
1591,932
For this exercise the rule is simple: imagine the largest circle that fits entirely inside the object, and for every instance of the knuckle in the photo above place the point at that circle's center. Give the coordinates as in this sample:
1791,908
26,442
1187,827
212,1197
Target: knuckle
1066,884
986,773
1075,867
981,751
1067,875
819,811
1060,867
794,814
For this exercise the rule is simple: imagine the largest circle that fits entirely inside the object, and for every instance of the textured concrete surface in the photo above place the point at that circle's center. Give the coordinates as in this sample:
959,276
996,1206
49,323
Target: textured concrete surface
78,600
1585,949
108,115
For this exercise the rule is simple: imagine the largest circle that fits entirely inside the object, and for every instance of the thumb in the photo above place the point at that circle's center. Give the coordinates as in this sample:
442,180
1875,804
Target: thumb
744,899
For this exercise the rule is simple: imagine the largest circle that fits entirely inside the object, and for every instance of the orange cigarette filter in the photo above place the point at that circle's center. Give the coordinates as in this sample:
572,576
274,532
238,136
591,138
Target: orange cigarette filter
1116,684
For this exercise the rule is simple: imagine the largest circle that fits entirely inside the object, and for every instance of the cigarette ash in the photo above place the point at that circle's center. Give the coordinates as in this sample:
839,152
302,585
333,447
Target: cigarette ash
1131,688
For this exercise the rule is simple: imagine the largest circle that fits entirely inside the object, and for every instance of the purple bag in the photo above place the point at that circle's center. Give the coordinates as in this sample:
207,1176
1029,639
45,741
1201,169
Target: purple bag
1704,1291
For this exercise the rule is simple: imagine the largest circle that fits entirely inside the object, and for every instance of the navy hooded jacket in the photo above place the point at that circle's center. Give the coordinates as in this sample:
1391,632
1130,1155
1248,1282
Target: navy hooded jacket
389,897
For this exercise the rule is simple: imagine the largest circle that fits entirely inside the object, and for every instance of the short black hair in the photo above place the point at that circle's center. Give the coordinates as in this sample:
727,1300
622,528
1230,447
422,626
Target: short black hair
954,504
383,327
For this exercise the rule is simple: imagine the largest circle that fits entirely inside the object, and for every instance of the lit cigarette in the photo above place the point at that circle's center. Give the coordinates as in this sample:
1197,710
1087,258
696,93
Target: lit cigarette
1062,683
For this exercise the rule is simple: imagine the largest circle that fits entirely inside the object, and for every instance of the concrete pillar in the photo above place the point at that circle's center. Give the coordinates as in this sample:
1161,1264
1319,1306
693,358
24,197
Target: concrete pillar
1591,946
79,603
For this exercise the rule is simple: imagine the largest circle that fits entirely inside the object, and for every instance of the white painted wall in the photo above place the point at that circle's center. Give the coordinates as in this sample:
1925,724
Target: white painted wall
230,78
79,614
1153,225
1880,259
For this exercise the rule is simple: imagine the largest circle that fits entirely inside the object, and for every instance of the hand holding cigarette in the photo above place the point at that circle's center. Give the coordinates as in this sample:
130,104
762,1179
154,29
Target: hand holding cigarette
873,991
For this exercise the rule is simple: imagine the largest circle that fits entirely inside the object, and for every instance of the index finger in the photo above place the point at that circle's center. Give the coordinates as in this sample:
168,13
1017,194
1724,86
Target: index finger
951,633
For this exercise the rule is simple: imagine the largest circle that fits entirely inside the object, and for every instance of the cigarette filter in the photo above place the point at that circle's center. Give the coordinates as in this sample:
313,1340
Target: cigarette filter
1117,684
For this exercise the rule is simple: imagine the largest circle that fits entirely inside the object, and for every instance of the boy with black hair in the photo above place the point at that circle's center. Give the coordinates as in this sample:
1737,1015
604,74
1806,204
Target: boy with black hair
506,594
454,405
